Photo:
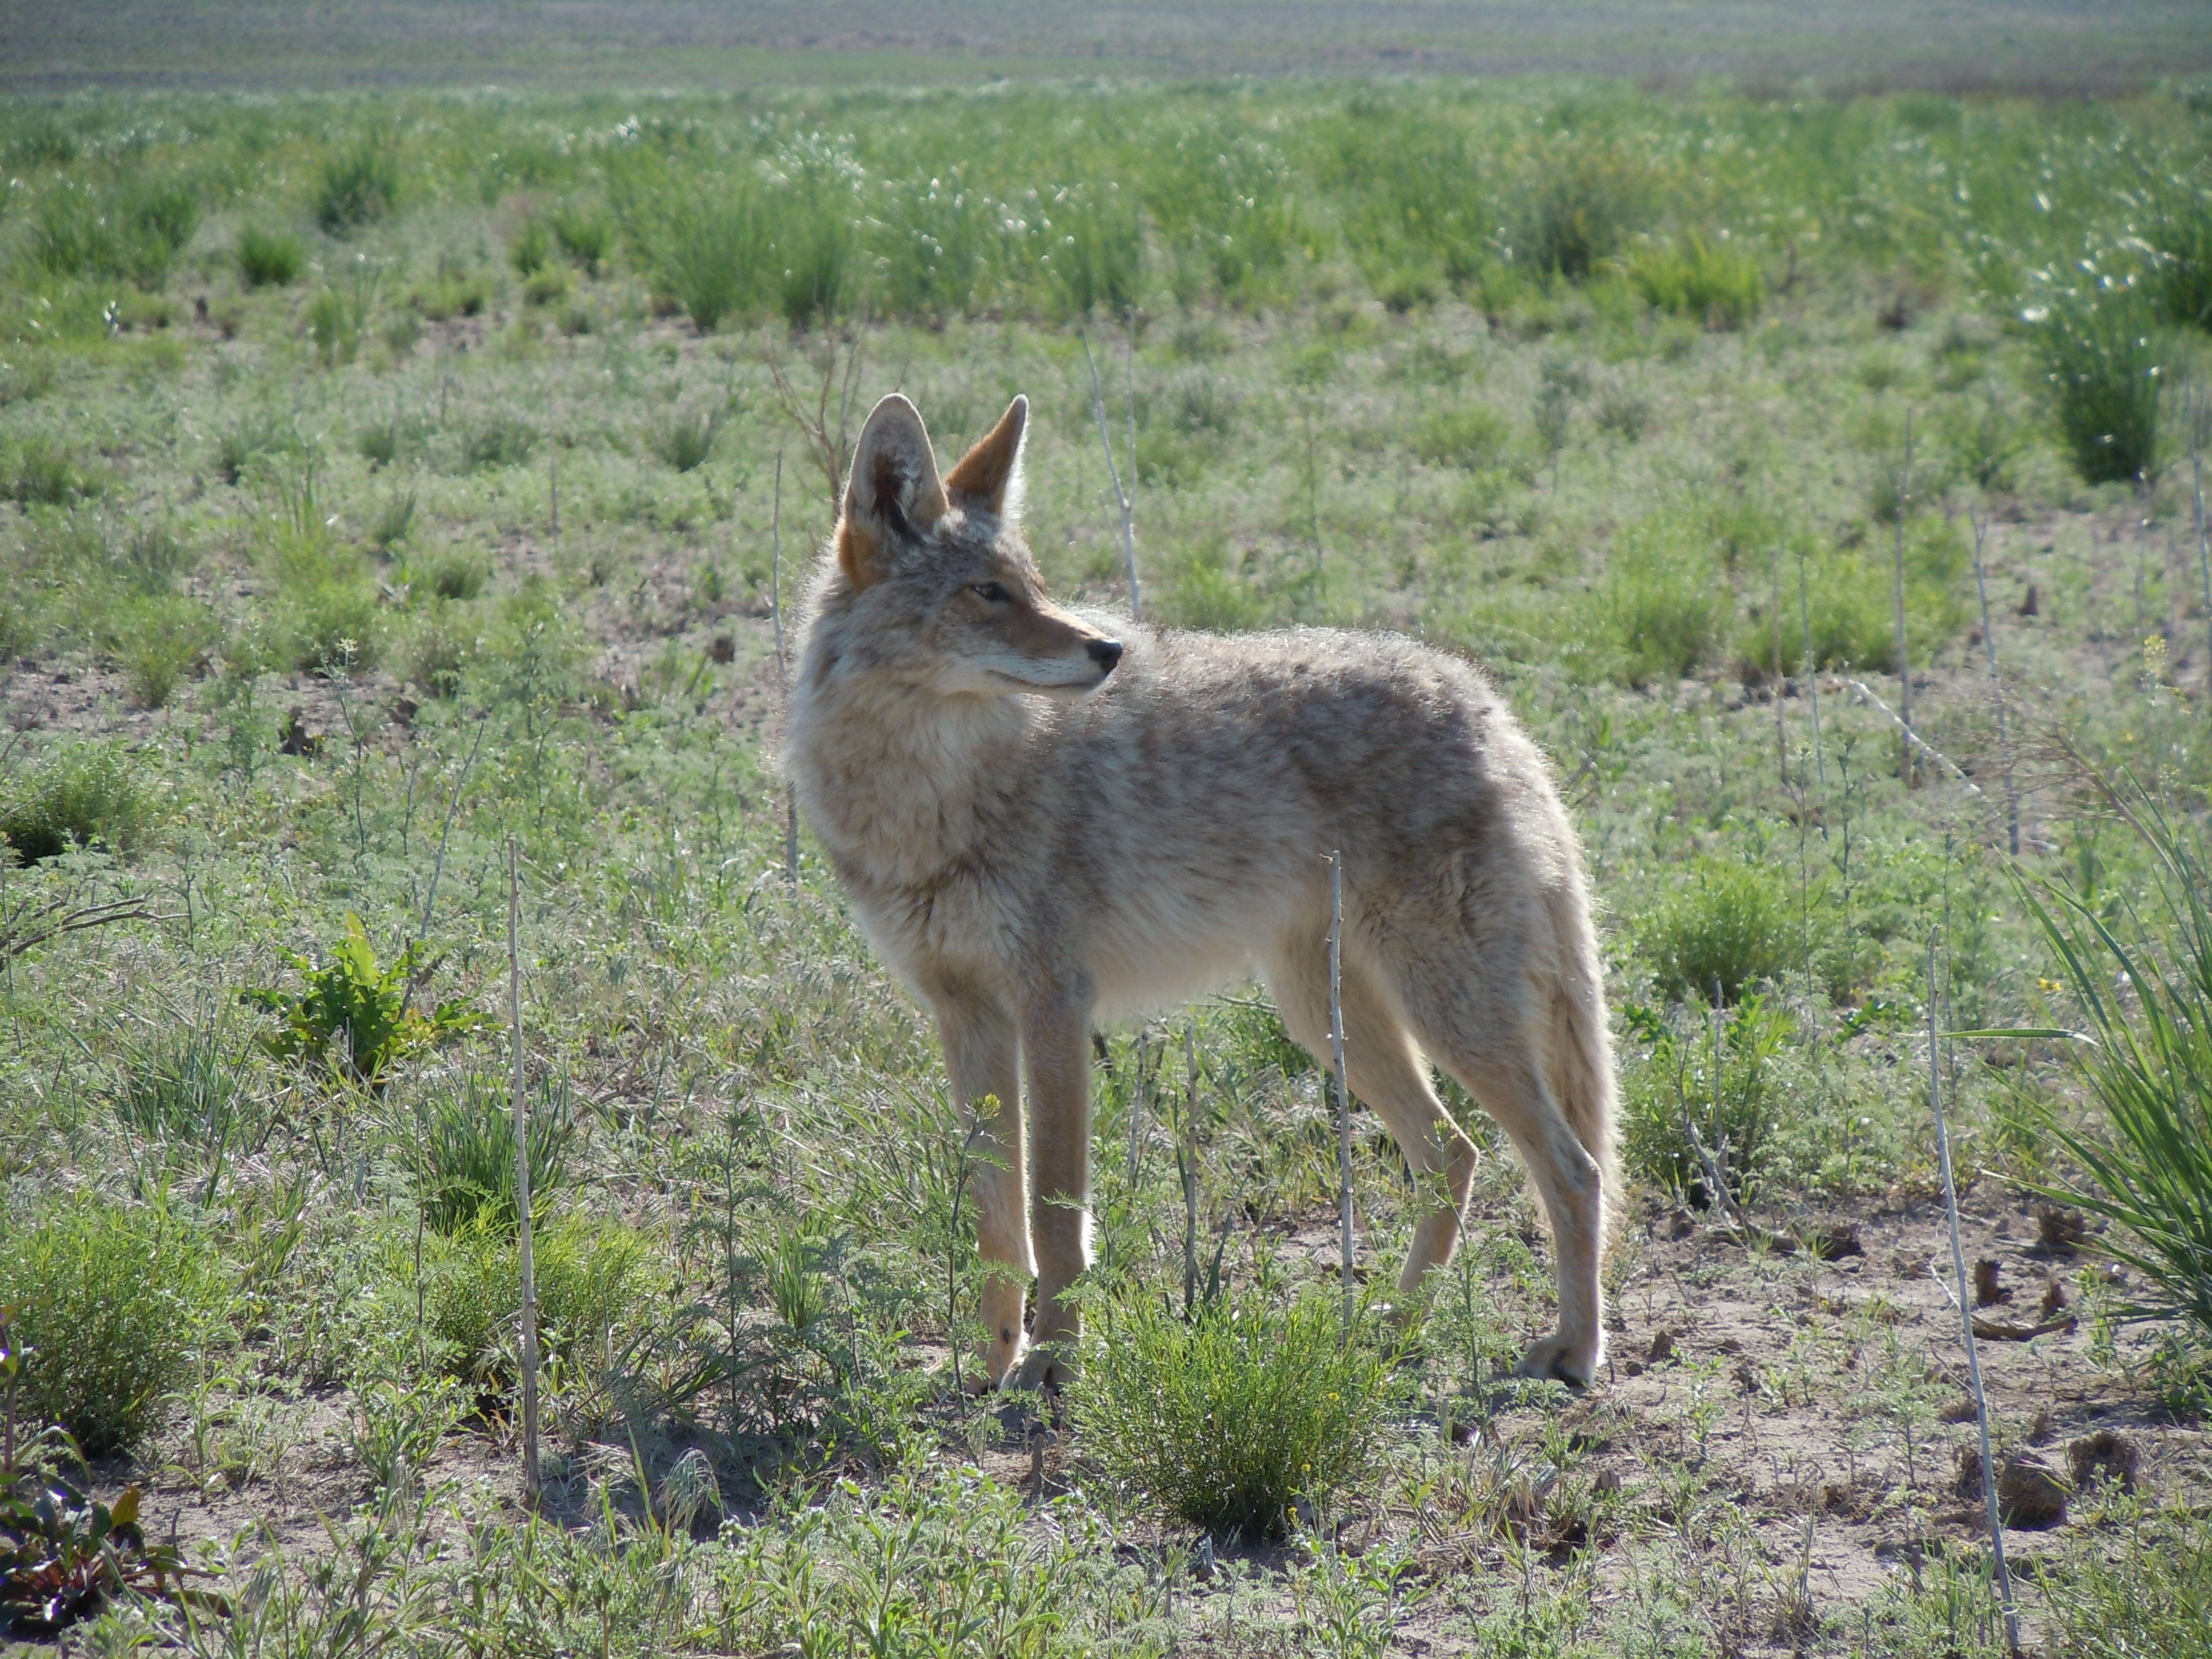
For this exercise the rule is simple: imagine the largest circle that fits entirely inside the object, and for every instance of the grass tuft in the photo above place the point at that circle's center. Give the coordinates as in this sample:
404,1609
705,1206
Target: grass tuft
2101,364
1227,1418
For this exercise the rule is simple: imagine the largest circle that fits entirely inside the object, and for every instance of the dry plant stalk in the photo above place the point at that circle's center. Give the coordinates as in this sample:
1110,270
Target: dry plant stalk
1114,472
1990,644
528,1262
1904,661
831,449
1336,1062
1966,1298
782,671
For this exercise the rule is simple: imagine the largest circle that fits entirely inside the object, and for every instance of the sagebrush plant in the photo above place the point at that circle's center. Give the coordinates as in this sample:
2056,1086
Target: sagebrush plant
1731,924
2143,980
1225,1419
76,794
1672,1089
112,1300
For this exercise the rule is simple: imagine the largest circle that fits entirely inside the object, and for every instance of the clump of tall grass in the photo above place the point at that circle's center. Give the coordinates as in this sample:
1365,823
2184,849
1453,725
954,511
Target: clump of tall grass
683,440
188,1087
1094,247
129,231
36,472
592,1277
1731,924
462,1152
1226,1419
585,236
109,1301
1574,206
268,258
1715,281
160,640
2143,980
81,794
357,186
703,250
2102,362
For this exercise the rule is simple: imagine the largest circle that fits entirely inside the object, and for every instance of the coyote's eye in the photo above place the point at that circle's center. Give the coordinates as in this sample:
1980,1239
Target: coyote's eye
993,592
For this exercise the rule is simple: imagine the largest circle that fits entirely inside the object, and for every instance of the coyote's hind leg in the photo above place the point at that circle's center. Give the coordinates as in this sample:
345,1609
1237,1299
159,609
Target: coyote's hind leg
1384,1069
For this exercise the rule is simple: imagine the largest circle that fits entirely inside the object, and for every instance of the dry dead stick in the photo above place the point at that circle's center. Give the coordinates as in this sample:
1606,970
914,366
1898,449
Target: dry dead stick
2006,1330
1966,1312
528,1263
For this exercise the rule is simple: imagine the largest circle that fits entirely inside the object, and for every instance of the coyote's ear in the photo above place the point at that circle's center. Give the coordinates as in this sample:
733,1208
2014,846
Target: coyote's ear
894,490
990,475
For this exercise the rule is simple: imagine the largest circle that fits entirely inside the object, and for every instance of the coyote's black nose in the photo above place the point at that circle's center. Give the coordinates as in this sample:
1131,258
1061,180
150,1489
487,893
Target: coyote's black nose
1106,653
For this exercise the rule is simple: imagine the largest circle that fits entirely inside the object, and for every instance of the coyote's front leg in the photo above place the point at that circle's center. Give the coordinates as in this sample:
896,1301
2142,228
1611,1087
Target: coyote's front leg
1057,1056
981,1047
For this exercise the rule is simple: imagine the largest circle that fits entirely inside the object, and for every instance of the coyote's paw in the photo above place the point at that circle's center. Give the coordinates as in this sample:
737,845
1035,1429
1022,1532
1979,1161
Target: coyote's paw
1042,1371
1559,1358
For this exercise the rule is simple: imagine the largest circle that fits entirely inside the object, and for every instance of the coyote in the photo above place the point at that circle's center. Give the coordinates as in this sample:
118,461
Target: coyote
1042,819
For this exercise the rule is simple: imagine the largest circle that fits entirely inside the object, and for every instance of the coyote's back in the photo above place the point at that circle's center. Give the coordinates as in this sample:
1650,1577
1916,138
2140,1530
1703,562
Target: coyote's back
1038,823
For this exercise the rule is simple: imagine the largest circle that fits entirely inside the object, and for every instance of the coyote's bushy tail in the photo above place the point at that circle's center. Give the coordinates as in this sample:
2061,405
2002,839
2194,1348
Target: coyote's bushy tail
1580,1057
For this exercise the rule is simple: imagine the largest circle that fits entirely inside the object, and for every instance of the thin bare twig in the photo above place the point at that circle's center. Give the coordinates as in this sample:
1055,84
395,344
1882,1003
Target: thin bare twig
1336,1060
782,674
528,1262
1114,472
33,925
1967,1313
1989,645
1904,660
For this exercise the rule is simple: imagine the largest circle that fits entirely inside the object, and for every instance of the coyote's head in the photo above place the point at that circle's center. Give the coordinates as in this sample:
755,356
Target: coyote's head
935,583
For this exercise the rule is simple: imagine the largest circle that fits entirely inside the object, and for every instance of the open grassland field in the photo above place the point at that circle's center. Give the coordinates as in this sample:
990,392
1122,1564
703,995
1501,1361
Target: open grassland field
2025,45
387,483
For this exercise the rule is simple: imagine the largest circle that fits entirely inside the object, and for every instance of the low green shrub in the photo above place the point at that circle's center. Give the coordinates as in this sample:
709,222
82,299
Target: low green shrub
1665,606
1466,435
461,1152
160,640
1716,282
1673,1086
268,258
331,626
80,794
593,1277
356,1017
1730,923
1225,1419
498,441
110,1300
